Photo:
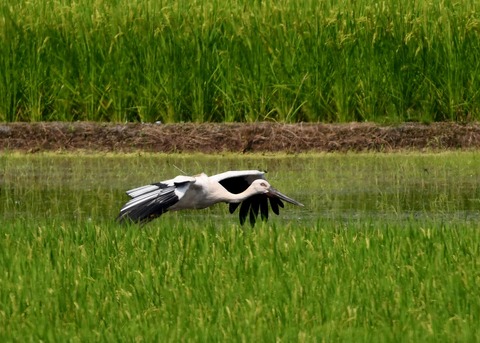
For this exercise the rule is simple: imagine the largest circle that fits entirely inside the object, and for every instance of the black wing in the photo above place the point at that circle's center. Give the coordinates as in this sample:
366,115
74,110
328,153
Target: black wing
148,203
252,206
255,204
238,184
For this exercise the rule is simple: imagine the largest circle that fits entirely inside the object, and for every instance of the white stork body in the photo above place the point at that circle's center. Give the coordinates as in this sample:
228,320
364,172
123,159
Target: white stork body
248,188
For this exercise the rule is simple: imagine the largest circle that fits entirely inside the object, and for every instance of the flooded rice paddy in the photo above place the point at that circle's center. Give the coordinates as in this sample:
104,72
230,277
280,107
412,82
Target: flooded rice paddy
339,186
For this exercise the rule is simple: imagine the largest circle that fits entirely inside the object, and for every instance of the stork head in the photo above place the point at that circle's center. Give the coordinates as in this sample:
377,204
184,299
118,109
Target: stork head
263,187
260,186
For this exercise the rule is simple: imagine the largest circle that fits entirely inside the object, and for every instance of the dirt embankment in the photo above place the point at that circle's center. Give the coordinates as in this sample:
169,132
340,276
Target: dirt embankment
255,137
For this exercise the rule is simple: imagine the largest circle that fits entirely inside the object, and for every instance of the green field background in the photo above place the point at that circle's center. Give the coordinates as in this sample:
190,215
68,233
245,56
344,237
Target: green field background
245,60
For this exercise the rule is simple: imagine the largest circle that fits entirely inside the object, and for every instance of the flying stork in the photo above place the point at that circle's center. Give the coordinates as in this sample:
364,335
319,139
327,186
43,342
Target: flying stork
246,188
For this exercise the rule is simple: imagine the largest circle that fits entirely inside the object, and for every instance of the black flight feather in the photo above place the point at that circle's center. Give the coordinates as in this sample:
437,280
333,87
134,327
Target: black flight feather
264,208
151,208
235,185
244,211
233,206
254,208
274,205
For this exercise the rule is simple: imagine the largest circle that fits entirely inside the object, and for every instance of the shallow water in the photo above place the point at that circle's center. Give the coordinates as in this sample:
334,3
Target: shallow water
340,187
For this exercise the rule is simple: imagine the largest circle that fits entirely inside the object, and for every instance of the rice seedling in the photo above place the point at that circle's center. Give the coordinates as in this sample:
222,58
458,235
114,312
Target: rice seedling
235,60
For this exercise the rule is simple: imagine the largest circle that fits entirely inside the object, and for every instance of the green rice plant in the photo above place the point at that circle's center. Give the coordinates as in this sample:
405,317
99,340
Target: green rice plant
199,280
239,60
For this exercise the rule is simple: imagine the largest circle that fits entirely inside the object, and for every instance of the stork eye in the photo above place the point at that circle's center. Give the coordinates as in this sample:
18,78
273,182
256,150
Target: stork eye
263,184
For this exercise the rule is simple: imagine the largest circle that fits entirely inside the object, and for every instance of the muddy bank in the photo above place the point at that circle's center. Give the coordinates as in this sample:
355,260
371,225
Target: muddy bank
243,138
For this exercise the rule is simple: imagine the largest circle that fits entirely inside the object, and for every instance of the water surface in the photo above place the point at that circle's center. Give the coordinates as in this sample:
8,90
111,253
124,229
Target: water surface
338,186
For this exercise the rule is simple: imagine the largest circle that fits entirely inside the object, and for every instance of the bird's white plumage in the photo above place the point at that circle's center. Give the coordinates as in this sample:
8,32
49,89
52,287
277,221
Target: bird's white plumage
194,195
247,187
181,189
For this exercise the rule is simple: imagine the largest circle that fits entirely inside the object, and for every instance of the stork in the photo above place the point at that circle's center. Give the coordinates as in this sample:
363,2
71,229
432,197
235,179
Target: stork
245,188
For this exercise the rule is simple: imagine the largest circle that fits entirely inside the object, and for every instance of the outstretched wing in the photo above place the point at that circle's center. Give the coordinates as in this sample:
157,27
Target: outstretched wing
151,201
237,182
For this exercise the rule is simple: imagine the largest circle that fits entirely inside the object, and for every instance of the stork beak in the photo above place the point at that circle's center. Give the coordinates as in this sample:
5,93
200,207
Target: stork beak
273,192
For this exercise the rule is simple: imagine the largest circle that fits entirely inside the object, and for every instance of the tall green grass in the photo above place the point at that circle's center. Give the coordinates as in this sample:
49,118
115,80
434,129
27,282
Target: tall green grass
387,248
209,60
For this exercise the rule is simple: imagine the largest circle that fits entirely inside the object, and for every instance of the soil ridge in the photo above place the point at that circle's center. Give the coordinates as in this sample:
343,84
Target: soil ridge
237,137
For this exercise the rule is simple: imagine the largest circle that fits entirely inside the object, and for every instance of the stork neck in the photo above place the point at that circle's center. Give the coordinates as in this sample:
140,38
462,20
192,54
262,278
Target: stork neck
239,197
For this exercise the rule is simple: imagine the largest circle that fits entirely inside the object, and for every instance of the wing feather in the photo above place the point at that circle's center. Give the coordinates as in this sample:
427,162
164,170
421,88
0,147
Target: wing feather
248,175
274,205
264,208
148,202
233,206
235,183
254,207
244,208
